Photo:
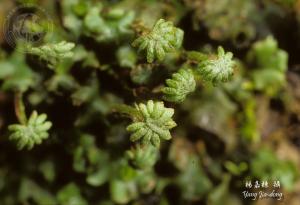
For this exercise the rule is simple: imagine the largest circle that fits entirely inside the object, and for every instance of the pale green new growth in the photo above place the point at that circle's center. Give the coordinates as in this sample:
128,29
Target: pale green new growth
54,52
163,38
270,63
34,132
217,68
181,84
143,156
154,125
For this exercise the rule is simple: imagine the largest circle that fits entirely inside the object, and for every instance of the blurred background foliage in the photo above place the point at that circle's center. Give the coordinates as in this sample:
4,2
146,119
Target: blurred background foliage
245,129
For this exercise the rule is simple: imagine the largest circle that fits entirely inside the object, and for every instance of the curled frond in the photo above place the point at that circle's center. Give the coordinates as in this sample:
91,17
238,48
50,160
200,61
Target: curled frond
163,38
143,156
217,68
33,132
54,52
155,123
181,84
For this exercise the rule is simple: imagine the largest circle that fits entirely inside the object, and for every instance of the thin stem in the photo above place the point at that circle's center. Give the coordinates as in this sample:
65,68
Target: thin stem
20,108
196,56
128,110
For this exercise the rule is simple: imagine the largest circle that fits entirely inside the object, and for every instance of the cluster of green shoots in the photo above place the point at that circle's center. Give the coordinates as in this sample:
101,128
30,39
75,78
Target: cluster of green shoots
152,121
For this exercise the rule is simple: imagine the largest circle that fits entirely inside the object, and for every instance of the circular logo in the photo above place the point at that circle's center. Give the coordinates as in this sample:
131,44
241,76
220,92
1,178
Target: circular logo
26,26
